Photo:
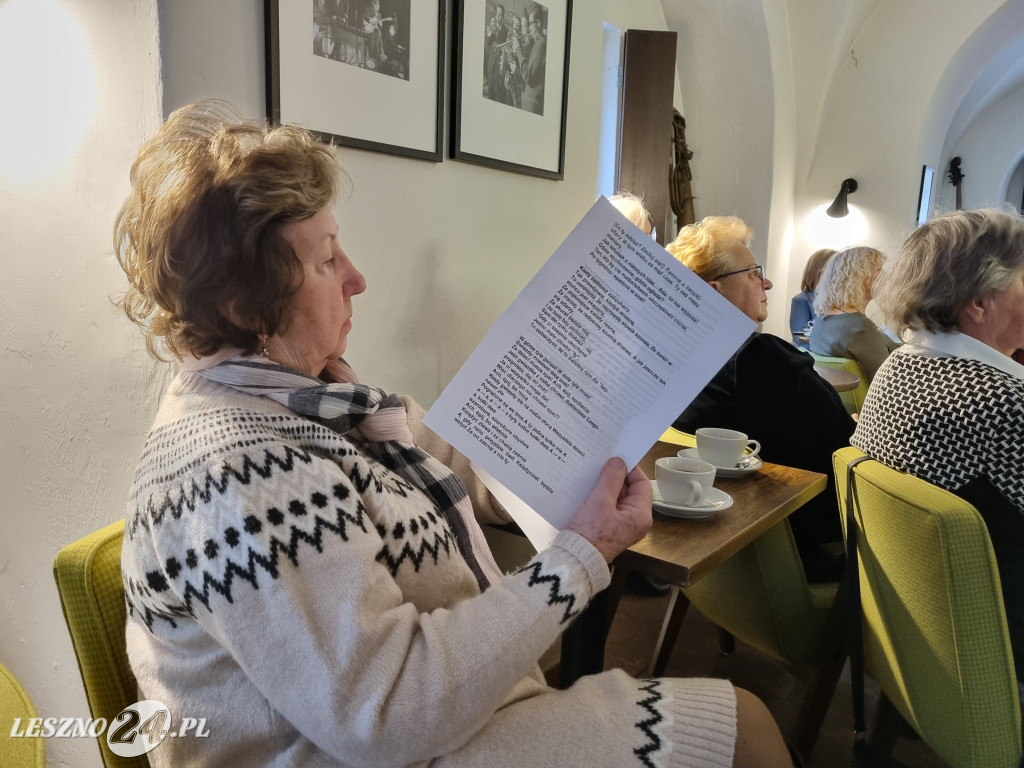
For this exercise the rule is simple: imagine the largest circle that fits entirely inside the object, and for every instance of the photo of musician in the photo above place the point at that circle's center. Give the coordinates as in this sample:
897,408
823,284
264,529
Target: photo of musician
496,35
514,84
534,66
396,60
515,55
369,34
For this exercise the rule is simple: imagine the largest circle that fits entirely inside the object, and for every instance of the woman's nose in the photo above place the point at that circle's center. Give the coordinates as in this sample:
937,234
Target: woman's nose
356,283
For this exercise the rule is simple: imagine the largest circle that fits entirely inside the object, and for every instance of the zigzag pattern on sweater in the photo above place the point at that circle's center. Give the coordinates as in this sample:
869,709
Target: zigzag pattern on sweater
269,562
647,724
202,489
555,594
442,540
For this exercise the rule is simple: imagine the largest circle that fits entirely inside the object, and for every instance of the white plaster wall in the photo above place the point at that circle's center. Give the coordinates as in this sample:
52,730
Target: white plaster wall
784,157
991,148
444,246
725,68
896,74
985,70
78,387
873,122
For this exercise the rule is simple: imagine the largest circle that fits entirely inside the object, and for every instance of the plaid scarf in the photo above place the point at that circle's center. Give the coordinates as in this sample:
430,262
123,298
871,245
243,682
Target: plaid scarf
378,420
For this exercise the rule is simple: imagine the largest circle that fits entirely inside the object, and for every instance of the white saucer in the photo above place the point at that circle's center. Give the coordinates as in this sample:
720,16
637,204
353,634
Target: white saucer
747,466
715,500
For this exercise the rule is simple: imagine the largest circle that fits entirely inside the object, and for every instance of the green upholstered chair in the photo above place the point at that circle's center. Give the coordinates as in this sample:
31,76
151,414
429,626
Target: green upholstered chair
761,596
88,574
935,633
853,399
24,752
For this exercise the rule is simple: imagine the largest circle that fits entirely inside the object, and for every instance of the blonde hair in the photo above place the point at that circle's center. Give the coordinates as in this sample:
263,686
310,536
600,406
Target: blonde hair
632,207
948,262
201,233
846,279
706,247
814,267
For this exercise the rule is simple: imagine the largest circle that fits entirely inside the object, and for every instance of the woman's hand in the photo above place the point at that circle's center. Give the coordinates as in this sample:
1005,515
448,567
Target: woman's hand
617,513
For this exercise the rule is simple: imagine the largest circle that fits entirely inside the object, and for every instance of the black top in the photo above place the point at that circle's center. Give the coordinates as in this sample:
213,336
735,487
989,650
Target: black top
770,391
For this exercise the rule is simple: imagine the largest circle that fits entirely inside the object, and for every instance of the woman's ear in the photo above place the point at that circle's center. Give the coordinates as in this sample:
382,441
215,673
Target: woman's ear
716,285
973,317
976,310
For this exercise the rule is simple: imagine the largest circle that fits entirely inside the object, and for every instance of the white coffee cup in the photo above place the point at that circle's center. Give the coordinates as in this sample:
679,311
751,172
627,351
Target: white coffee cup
725,447
683,481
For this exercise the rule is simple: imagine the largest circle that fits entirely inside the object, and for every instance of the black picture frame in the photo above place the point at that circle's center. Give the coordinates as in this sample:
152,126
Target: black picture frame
498,119
340,83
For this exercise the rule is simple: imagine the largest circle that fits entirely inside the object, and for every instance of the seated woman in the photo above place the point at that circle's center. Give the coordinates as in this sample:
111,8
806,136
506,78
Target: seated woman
768,390
298,568
948,406
801,308
843,330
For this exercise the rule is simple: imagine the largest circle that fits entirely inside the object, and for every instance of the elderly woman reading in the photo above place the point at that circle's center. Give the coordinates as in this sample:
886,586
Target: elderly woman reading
948,406
299,569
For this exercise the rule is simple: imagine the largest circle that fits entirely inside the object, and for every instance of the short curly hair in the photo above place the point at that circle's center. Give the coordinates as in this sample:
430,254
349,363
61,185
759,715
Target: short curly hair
706,247
948,262
201,233
846,279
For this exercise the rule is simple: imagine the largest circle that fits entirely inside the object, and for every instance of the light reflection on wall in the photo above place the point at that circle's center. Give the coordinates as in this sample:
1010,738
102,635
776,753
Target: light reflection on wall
822,231
47,87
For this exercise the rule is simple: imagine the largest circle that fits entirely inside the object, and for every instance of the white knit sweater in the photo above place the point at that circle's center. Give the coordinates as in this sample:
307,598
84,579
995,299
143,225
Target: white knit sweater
313,607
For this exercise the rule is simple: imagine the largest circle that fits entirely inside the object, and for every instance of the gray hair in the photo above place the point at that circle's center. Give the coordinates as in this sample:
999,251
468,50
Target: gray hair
846,279
946,264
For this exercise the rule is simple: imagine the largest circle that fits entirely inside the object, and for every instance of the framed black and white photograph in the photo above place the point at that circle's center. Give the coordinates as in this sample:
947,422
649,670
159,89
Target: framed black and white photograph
361,73
510,84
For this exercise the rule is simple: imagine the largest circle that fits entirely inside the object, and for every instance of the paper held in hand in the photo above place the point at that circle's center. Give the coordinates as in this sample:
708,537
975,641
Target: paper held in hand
600,352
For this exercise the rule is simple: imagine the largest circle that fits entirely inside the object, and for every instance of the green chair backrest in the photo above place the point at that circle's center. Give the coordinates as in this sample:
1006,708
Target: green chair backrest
854,398
24,752
935,633
88,574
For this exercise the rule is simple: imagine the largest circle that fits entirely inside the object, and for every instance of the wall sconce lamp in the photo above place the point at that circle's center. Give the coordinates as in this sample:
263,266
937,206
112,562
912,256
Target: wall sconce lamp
839,209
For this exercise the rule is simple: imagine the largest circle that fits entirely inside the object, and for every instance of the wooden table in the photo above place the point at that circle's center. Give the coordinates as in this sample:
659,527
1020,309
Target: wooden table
682,551
842,381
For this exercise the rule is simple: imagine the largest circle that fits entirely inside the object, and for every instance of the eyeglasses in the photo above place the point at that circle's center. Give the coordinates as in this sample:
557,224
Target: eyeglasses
757,270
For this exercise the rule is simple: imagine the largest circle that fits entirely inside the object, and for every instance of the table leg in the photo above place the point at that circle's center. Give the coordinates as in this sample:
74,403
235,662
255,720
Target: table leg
677,605
828,667
615,590
726,642
583,642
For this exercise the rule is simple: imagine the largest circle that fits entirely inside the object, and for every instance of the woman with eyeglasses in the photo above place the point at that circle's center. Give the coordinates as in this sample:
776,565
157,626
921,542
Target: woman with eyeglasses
768,389
842,328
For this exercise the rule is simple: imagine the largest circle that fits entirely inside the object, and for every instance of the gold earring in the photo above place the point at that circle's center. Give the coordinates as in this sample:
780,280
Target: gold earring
263,346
